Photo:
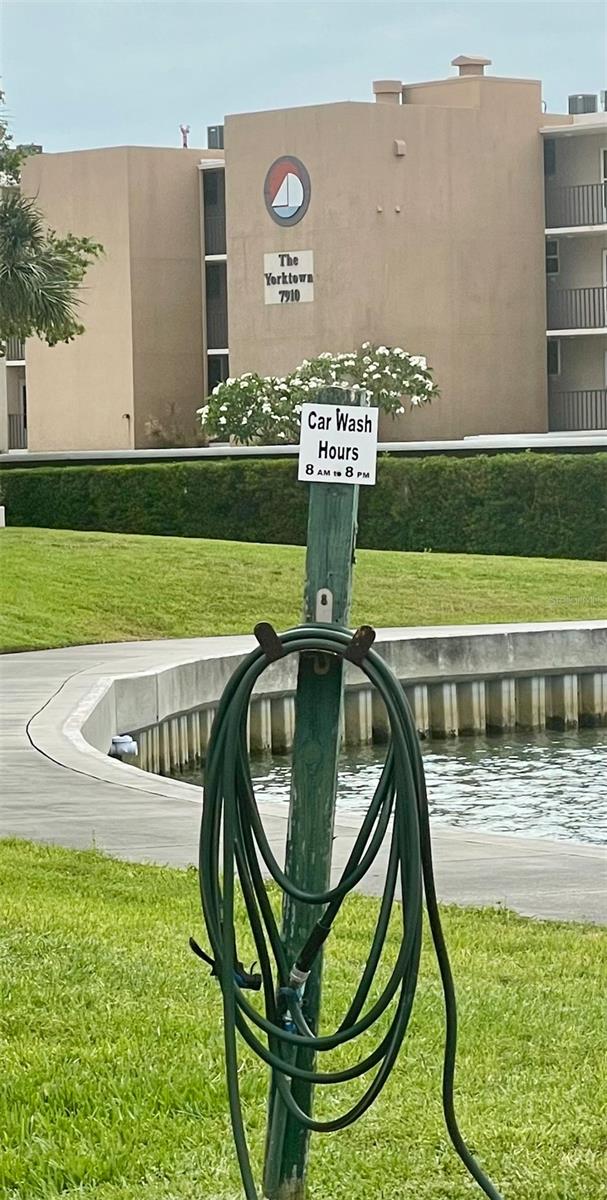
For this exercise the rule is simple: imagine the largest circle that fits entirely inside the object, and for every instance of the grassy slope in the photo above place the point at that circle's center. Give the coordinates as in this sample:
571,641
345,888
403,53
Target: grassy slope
112,1081
60,588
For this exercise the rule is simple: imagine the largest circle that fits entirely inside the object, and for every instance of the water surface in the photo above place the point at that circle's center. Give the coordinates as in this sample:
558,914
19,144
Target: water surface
551,785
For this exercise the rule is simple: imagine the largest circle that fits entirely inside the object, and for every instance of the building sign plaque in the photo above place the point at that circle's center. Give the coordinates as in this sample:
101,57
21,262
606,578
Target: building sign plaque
288,278
338,444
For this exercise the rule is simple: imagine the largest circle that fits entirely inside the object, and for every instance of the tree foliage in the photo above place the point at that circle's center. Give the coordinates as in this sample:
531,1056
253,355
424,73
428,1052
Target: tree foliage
266,409
41,273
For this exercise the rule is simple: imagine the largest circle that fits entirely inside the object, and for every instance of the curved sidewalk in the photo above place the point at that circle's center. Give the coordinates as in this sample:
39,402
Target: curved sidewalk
55,790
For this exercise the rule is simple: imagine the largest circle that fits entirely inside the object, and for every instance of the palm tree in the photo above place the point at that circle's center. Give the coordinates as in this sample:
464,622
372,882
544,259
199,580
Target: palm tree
40,274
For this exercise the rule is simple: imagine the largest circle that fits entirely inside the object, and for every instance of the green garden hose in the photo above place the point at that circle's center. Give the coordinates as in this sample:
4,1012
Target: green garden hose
232,835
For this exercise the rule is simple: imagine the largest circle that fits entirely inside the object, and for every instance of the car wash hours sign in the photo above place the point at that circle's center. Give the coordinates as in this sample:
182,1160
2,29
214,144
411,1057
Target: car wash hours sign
338,444
289,278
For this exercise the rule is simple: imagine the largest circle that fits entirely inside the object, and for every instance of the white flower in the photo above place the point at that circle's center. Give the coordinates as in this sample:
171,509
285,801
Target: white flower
382,350
222,421
418,360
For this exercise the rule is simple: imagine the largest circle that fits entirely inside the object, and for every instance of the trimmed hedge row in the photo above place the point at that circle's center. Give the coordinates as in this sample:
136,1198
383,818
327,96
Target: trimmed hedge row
550,505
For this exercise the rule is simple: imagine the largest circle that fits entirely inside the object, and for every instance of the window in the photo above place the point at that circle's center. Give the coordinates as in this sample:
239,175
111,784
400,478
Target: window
215,276
549,156
214,203
218,370
552,256
210,183
554,356
216,306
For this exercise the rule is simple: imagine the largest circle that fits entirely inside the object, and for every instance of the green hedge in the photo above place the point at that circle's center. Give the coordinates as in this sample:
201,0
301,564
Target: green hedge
551,505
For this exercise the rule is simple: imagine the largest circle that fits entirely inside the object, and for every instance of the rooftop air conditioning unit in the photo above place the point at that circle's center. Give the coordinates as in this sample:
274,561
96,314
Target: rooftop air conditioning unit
215,137
604,101
586,102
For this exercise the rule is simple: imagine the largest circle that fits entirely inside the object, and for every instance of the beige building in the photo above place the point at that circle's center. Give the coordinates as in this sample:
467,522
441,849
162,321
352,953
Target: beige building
454,218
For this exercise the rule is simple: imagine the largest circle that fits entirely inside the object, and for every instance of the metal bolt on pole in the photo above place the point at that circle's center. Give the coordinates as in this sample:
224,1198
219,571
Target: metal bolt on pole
331,541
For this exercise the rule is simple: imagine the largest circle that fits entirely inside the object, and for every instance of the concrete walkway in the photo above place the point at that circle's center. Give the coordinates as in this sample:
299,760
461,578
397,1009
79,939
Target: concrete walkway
55,789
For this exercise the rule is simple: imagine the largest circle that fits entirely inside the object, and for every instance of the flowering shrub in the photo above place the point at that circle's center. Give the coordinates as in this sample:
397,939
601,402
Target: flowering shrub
266,409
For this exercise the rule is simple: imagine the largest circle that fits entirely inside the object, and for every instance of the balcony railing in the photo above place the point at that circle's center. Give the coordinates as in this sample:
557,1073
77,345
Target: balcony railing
586,409
577,308
17,433
583,204
214,234
15,350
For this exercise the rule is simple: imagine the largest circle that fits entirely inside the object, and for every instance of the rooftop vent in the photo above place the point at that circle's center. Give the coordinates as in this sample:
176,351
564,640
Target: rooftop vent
388,91
470,66
585,102
215,137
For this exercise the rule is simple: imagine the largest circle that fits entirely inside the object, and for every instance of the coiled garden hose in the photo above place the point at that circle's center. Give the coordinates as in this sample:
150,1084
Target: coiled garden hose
232,834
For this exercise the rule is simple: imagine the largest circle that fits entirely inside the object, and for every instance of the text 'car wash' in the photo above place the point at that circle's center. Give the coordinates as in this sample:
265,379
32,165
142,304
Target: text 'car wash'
338,444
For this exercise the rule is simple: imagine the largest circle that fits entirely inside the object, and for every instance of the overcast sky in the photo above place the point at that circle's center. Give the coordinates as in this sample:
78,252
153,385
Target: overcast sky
129,71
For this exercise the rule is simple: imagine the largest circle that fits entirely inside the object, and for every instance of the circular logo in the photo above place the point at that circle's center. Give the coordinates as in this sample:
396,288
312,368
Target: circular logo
287,190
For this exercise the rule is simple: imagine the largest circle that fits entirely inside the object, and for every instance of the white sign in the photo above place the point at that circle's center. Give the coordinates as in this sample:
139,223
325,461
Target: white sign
338,443
289,278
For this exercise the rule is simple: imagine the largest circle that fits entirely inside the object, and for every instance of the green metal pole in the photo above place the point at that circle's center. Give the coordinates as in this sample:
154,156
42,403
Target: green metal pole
330,553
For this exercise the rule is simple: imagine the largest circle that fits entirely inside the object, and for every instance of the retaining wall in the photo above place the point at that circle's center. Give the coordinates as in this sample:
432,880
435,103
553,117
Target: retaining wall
459,681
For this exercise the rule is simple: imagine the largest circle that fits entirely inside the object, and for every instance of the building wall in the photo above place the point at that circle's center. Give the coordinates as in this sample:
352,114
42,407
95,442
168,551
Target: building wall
166,292
141,357
3,408
79,394
15,377
457,274
580,261
582,364
578,159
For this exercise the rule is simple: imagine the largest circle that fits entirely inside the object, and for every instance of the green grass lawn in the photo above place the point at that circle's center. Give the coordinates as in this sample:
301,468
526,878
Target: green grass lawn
62,588
112,1061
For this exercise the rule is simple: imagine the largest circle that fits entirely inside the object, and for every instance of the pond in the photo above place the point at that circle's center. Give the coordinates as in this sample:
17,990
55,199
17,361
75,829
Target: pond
551,785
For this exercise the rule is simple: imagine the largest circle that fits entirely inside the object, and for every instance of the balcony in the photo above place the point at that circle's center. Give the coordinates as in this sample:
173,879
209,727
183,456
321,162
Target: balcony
574,207
578,410
15,350
17,433
580,309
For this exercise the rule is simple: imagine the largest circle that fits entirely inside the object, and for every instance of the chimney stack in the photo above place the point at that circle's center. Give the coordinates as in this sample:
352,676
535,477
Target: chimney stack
388,91
470,66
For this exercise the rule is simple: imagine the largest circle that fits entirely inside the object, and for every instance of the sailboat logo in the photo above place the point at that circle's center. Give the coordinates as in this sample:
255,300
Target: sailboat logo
287,190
